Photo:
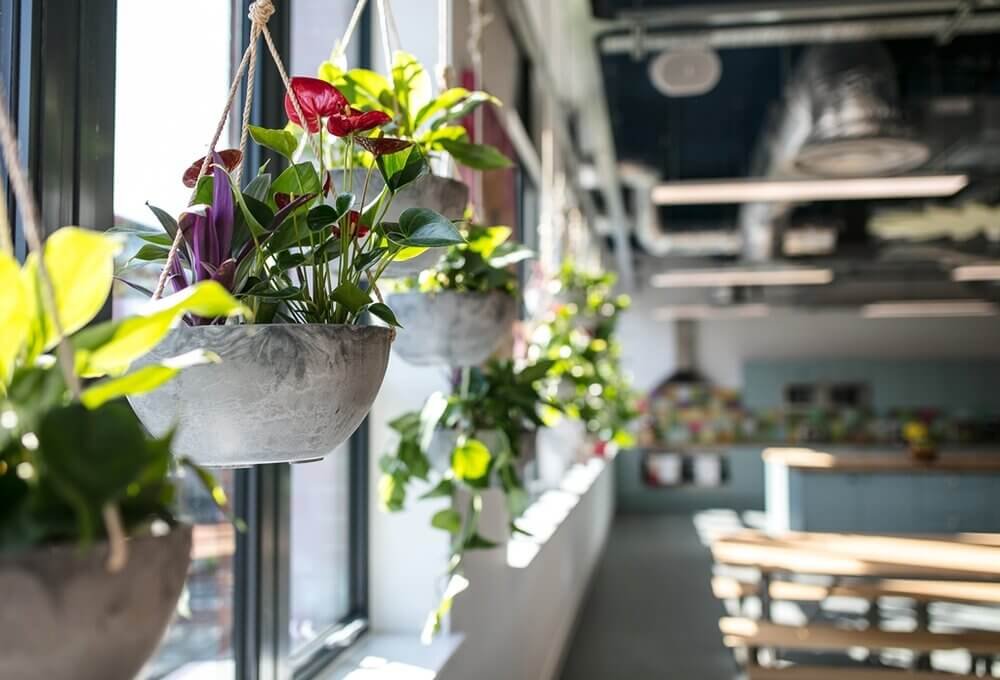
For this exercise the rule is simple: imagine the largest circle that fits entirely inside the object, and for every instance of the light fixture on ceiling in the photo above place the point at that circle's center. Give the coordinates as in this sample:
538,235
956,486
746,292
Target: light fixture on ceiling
712,192
686,72
928,309
711,278
977,272
700,312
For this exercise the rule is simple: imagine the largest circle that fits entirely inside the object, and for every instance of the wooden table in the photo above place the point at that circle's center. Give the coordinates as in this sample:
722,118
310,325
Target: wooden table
883,491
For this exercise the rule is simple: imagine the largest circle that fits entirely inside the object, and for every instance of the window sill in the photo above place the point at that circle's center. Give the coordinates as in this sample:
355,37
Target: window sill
394,657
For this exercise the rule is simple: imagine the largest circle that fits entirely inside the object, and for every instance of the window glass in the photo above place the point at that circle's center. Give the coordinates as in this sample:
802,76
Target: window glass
172,75
320,588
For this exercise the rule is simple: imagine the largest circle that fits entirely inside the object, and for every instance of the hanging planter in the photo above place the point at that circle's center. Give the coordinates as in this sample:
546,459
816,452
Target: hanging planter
282,392
451,328
65,617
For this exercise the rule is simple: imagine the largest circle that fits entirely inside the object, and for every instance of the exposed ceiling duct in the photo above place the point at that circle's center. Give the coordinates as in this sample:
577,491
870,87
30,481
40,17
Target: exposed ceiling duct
841,118
649,230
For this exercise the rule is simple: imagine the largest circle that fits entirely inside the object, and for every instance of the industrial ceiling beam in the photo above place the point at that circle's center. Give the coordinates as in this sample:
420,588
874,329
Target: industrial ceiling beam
516,14
776,34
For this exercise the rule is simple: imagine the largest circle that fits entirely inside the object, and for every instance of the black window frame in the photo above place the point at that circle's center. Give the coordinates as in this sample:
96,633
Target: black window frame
60,84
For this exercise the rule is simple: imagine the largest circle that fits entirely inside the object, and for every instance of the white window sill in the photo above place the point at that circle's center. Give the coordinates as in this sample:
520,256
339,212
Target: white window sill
394,657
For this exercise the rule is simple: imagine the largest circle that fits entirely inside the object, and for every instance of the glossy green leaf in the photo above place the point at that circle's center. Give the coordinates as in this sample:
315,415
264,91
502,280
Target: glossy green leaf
444,489
478,542
424,228
351,296
142,380
447,520
281,142
14,317
151,253
383,312
470,460
402,168
259,187
322,217
298,179
165,219
475,156
442,102
111,347
81,266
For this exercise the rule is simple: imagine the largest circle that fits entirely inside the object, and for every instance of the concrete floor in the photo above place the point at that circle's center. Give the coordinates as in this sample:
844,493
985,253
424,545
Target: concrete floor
651,614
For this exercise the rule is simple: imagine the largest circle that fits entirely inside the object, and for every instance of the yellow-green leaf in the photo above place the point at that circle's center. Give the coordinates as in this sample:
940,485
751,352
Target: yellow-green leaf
81,265
408,254
14,318
134,337
145,379
470,460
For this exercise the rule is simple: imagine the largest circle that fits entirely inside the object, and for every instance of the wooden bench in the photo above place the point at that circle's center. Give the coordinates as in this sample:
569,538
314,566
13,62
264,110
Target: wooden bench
963,569
926,591
821,673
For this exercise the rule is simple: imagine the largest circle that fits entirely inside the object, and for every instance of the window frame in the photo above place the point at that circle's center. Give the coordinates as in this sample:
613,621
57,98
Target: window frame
62,81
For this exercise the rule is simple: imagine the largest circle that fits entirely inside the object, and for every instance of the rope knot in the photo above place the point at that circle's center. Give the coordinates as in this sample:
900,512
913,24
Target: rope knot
261,12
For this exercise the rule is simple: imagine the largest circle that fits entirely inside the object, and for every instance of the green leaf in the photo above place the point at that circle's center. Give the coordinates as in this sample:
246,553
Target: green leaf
365,260
535,371
475,156
298,179
402,168
443,101
204,191
322,217
447,520
412,87
145,379
444,489
81,266
391,492
151,253
424,228
470,460
111,347
477,542
259,188
14,317
92,456
282,142
383,312
486,241
166,220
351,296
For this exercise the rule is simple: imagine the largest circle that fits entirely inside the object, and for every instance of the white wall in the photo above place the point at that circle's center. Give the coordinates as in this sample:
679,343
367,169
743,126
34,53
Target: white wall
724,345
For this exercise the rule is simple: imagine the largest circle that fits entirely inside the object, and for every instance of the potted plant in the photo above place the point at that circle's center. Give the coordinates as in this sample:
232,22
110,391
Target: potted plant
92,555
579,335
467,302
306,256
464,444
433,123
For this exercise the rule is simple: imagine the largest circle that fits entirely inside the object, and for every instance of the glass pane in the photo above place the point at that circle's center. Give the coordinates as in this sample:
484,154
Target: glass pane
169,96
320,548
198,644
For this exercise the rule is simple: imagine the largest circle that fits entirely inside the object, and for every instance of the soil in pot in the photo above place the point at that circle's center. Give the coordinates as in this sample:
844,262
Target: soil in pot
451,328
65,617
283,392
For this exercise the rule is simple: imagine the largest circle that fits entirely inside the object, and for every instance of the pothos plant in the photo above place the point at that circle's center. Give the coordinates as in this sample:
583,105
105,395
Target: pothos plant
433,123
294,247
479,265
497,403
65,461
579,336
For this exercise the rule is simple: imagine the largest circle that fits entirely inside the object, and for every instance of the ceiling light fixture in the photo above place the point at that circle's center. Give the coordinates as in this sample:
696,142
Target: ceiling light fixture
928,308
803,190
711,278
675,312
977,272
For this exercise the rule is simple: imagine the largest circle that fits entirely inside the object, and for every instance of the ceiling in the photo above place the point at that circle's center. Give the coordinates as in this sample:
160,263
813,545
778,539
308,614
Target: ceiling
719,134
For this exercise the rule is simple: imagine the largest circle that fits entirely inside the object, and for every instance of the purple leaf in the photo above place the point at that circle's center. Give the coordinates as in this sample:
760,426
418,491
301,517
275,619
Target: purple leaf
223,212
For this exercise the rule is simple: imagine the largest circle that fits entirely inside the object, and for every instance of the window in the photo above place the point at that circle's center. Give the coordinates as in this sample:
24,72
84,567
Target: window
283,597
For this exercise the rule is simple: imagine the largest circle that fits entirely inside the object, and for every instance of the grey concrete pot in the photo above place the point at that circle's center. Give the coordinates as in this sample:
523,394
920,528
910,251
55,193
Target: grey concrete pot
283,392
65,617
444,195
451,328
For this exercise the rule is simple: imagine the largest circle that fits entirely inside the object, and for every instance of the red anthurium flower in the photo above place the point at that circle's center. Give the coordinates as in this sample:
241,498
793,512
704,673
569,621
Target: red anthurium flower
348,120
355,218
382,146
281,200
230,159
317,98
328,184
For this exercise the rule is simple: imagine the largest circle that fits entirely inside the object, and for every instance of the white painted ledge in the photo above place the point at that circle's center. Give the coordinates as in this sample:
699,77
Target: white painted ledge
394,657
